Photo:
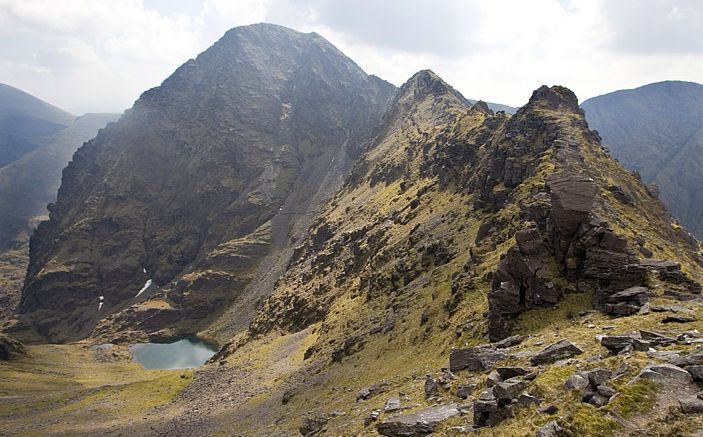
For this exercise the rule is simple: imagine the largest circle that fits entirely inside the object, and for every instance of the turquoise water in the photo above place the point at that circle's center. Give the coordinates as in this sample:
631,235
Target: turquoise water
181,354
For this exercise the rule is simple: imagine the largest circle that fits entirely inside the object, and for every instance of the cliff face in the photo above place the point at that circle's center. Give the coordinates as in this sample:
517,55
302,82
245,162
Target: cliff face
202,178
657,130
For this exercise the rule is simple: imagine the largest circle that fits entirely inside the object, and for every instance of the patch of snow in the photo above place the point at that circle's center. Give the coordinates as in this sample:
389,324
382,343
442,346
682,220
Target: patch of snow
147,285
144,270
100,305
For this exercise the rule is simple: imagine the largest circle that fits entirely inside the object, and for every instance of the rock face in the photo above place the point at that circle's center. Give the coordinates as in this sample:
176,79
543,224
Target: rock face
417,424
199,181
567,236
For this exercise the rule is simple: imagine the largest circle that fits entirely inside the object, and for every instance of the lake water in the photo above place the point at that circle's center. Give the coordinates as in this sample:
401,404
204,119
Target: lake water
181,354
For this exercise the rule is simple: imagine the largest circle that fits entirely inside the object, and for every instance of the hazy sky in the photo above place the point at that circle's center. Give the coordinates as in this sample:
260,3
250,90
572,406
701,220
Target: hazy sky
99,55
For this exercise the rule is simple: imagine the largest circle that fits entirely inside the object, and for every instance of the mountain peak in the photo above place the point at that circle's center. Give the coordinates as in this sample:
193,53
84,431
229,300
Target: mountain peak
425,83
555,97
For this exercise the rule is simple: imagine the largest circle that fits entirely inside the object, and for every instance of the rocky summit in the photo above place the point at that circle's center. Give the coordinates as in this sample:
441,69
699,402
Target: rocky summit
370,260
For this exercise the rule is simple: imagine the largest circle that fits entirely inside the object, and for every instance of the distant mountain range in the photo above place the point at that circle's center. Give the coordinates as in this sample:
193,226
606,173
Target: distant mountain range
657,130
37,140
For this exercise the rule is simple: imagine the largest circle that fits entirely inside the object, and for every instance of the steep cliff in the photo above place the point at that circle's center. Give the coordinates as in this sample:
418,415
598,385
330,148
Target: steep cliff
196,184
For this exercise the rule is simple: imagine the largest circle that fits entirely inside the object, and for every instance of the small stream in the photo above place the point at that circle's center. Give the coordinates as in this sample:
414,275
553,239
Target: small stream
181,354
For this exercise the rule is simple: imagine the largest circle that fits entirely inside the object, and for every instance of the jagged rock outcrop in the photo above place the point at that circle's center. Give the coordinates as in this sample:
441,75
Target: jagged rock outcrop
570,241
198,182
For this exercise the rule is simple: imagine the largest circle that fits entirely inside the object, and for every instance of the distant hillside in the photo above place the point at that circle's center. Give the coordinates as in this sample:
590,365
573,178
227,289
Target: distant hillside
27,185
26,122
657,130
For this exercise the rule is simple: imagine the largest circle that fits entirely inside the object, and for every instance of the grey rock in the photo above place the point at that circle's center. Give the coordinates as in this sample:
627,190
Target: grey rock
528,399
656,338
511,341
691,404
558,351
694,358
474,359
490,412
606,391
417,424
431,387
313,425
598,400
493,378
511,372
372,417
463,391
506,391
551,429
680,318
576,382
617,343
597,377
696,371
666,373
548,409
392,404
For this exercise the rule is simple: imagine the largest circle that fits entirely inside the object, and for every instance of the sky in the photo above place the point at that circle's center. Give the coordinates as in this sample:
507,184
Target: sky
100,55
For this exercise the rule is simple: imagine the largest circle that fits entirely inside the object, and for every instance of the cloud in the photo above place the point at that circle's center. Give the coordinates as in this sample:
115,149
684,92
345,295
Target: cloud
94,55
655,26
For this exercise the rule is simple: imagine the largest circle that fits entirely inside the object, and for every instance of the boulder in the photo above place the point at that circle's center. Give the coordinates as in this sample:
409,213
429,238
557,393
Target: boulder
691,404
417,424
656,338
597,377
628,301
548,409
695,358
617,343
392,404
528,399
488,411
507,342
474,359
551,429
431,387
511,372
576,382
666,373
11,349
696,371
679,318
557,351
606,391
505,392
313,425
463,391
572,199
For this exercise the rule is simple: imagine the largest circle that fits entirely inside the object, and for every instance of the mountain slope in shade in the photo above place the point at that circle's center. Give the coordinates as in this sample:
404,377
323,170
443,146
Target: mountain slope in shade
26,122
657,130
27,185
195,185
